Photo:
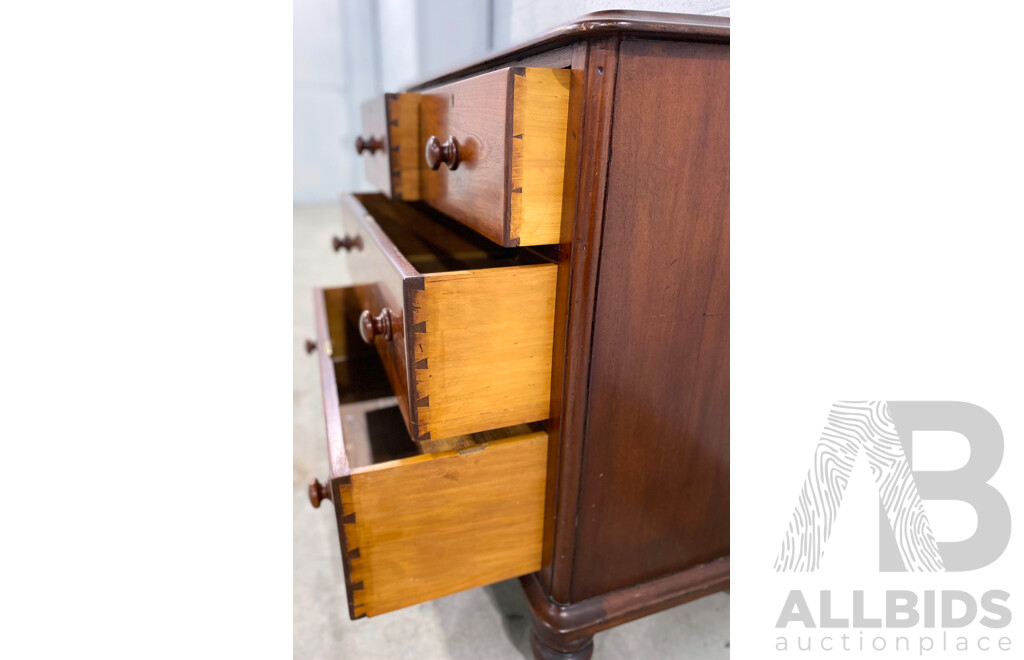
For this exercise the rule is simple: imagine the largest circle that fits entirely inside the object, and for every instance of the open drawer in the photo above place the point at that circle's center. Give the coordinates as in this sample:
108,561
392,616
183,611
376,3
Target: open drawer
390,144
465,327
417,526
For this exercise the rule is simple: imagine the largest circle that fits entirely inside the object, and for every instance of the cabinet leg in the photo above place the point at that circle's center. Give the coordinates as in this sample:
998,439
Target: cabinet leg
548,646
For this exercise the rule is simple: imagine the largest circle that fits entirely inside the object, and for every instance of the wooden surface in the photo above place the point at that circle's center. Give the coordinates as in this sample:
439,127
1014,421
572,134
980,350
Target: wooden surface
405,145
474,112
472,322
510,127
428,526
540,114
379,270
358,372
593,88
376,166
570,628
480,344
547,49
471,439
423,526
654,494
636,516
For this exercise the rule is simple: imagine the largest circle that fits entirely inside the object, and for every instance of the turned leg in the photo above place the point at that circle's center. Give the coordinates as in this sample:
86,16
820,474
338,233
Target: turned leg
548,645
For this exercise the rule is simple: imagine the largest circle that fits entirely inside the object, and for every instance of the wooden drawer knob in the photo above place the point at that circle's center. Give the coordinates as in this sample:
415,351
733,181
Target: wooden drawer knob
370,144
310,346
348,242
318,492
371,327
437,153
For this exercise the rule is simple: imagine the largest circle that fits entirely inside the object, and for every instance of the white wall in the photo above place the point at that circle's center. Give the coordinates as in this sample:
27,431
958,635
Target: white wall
346,51
334,67
518,20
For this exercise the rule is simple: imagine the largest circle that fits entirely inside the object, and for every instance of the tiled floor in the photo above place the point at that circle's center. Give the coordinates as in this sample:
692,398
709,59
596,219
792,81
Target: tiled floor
490,623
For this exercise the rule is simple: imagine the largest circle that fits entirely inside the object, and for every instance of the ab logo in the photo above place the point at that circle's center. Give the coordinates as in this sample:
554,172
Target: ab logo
882,430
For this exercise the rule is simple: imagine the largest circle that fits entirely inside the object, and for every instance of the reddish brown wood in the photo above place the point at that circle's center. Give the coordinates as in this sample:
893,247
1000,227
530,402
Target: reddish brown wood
597,25
591,95
318,492
545,649
371,327
370,144
336,455
347,242
437,152
475,113
571,628
654,495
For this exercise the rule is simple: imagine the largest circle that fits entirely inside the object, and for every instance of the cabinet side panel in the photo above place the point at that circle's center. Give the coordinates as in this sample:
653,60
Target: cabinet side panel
654,497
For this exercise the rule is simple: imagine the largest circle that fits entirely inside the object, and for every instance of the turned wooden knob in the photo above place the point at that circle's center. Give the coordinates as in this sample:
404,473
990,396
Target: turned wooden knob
310,346
437,153
371,327
318,492
370,144
348,243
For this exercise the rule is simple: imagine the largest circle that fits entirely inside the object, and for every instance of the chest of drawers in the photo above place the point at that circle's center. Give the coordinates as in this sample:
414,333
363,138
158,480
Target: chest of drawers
531,377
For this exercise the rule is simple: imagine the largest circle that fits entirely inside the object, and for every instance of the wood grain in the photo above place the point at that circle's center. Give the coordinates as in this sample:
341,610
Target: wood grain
405,145
565,628
473,111
539,119
394,169
421,527
659,371
379,270
510,127
480,342
428,526
473,322
591,104
598,25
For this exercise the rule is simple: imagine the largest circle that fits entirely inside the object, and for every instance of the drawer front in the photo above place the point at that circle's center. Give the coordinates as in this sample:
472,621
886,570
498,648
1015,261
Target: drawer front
390,146
471,331
508,128
419,527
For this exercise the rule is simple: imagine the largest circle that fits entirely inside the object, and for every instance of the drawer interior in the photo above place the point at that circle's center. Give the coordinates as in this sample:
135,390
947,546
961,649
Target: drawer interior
375,432
434,243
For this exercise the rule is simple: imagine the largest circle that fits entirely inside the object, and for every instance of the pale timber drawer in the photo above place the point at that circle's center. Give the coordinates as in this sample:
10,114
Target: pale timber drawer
464,327
495,152
417,526
390,145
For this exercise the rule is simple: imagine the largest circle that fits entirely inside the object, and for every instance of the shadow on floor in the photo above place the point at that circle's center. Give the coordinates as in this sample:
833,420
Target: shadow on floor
468,634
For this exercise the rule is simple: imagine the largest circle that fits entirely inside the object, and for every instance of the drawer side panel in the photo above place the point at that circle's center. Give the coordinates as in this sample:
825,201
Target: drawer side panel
540,117
429,526
480,349
474,112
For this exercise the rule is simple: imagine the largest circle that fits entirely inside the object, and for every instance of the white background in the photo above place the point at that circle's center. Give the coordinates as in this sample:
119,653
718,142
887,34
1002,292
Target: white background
145,247
876,254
